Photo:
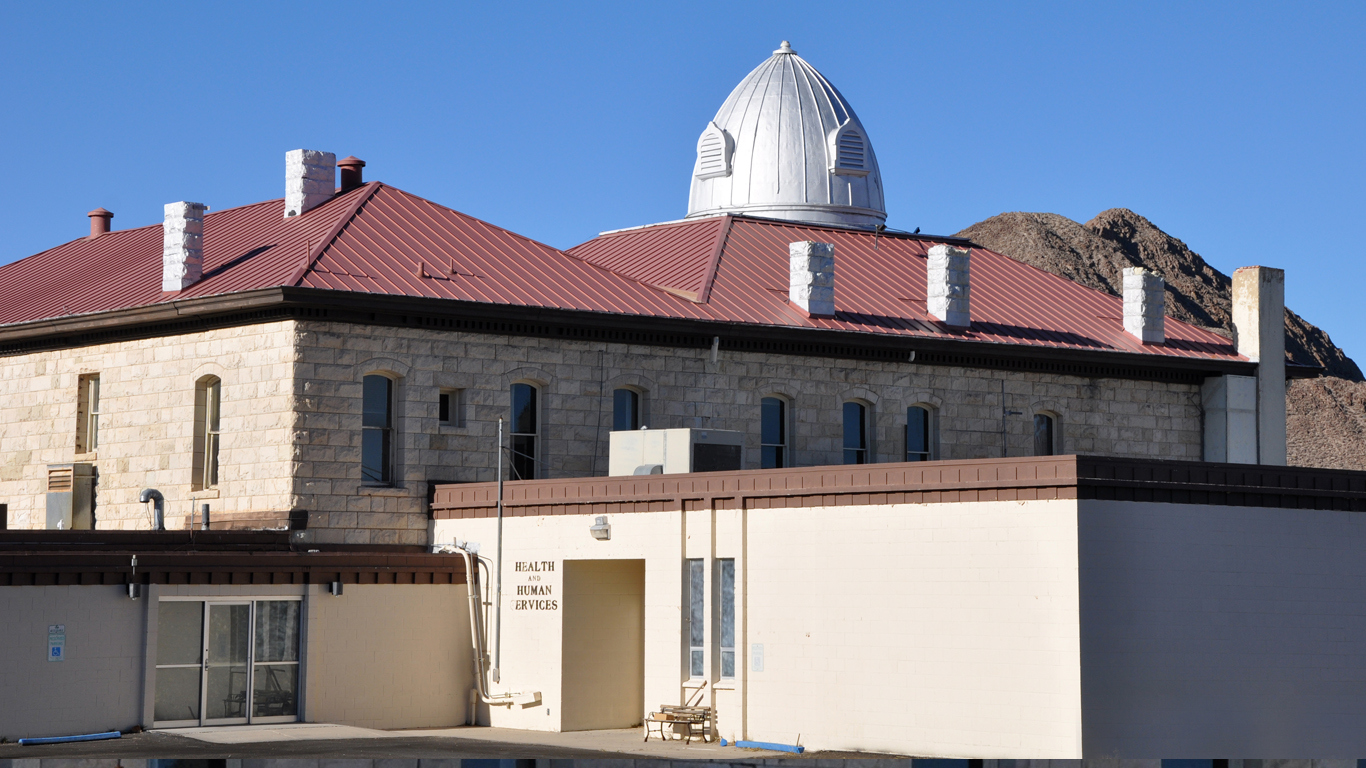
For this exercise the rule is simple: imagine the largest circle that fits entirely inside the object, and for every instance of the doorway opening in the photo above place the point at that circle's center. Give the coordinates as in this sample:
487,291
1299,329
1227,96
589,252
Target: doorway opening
227,662
603,677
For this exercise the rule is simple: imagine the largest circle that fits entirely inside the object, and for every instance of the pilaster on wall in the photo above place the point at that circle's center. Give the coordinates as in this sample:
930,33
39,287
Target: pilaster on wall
1230,404
1259,328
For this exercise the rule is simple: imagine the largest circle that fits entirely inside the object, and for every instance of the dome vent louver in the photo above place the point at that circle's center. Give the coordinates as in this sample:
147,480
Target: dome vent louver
848,151
714,150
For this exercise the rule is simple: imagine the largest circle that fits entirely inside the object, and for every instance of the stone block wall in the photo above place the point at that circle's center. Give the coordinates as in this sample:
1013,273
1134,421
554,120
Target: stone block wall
146,425
681,388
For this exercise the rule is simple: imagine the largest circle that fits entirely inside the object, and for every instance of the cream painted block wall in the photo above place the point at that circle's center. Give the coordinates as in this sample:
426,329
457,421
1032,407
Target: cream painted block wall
99,685
934,629
533,638
147,393
603,604
389,655
1212,631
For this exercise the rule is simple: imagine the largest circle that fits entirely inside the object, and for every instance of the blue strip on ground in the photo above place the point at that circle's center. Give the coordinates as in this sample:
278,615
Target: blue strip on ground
67,739
770,746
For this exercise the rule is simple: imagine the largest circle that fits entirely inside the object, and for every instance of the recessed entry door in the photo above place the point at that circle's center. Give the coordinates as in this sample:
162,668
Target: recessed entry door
227,662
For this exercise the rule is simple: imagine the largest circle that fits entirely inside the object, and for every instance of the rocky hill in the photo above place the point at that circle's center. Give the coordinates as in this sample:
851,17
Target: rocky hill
1326,416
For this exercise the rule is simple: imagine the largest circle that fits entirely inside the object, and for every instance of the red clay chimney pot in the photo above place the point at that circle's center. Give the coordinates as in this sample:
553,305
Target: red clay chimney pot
99,222
350,172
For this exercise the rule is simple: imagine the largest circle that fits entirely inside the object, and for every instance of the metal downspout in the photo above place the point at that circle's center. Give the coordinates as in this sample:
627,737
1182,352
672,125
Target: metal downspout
498,577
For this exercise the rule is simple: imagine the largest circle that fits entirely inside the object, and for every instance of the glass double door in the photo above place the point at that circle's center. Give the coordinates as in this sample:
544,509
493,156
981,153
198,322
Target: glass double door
224,663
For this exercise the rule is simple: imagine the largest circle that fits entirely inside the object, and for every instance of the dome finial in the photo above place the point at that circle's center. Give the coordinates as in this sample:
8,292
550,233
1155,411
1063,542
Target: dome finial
786,47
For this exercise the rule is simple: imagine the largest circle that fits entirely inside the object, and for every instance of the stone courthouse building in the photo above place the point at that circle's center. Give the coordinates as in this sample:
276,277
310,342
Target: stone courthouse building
931,500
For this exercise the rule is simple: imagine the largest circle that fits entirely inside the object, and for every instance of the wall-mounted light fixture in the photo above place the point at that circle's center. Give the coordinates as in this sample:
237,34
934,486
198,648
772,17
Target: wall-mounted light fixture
601,530
335,588
134,590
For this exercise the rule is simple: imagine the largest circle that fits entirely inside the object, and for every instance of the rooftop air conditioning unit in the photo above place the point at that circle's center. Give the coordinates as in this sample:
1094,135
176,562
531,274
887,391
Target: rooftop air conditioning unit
71,497
673,451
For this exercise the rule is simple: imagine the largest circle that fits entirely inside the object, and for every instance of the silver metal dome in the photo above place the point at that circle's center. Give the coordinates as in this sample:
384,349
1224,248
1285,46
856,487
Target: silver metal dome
786,145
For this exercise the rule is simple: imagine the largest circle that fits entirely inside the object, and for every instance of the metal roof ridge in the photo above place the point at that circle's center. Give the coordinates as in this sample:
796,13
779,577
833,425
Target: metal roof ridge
347,216
672,223
722,237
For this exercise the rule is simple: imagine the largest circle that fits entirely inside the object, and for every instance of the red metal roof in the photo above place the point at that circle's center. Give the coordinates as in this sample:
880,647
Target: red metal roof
380,240
879,286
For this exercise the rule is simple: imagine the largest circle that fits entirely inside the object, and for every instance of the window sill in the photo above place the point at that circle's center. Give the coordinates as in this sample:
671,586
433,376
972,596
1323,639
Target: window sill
383,490
725,685
695,682
83,457
450,427
212,493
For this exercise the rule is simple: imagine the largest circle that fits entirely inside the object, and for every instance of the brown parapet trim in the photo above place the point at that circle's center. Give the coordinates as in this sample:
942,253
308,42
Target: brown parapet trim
39,568
1010,479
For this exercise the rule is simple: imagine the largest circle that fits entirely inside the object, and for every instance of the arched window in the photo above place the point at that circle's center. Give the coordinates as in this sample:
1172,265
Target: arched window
524,431
848,151
714,148
1045,435
855,433
774,451
919,434
377,431
208,399
625,410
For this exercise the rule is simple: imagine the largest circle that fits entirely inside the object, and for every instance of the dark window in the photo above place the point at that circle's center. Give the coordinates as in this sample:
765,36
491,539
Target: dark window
377,428
855,433
625,410
774,438
917,434
524,423
1043,435
443,408
450,407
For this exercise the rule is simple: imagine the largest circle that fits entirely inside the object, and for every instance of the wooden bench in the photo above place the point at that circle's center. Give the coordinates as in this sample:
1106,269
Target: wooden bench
694,721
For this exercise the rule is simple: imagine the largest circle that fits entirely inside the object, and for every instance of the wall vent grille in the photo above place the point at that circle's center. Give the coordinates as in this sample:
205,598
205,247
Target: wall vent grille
59,480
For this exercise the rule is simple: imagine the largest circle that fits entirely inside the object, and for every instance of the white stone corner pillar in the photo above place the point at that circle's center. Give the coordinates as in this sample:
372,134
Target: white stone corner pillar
182,245
812,277
949,291
310,180
1259,331
1145,305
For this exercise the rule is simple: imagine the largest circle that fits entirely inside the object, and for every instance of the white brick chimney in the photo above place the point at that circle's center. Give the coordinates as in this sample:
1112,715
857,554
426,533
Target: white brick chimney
949,292
1145,305
182,245
310,180
812,277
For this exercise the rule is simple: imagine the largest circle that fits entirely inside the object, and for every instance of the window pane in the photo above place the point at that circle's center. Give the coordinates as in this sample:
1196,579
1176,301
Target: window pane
625,410
523,409
274,690
727,578
695,668
774,422
377,406
177,696
443,407
180,634
917,434
277,630
211,460
773,457
523,457
215,393
374,455
1043,435
696,603
854,427
226,667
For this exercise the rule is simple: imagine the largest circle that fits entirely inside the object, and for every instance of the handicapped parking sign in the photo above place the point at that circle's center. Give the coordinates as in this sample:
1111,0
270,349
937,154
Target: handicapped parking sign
56,642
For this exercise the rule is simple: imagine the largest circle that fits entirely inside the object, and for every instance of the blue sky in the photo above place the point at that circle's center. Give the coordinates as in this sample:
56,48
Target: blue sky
1236,127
